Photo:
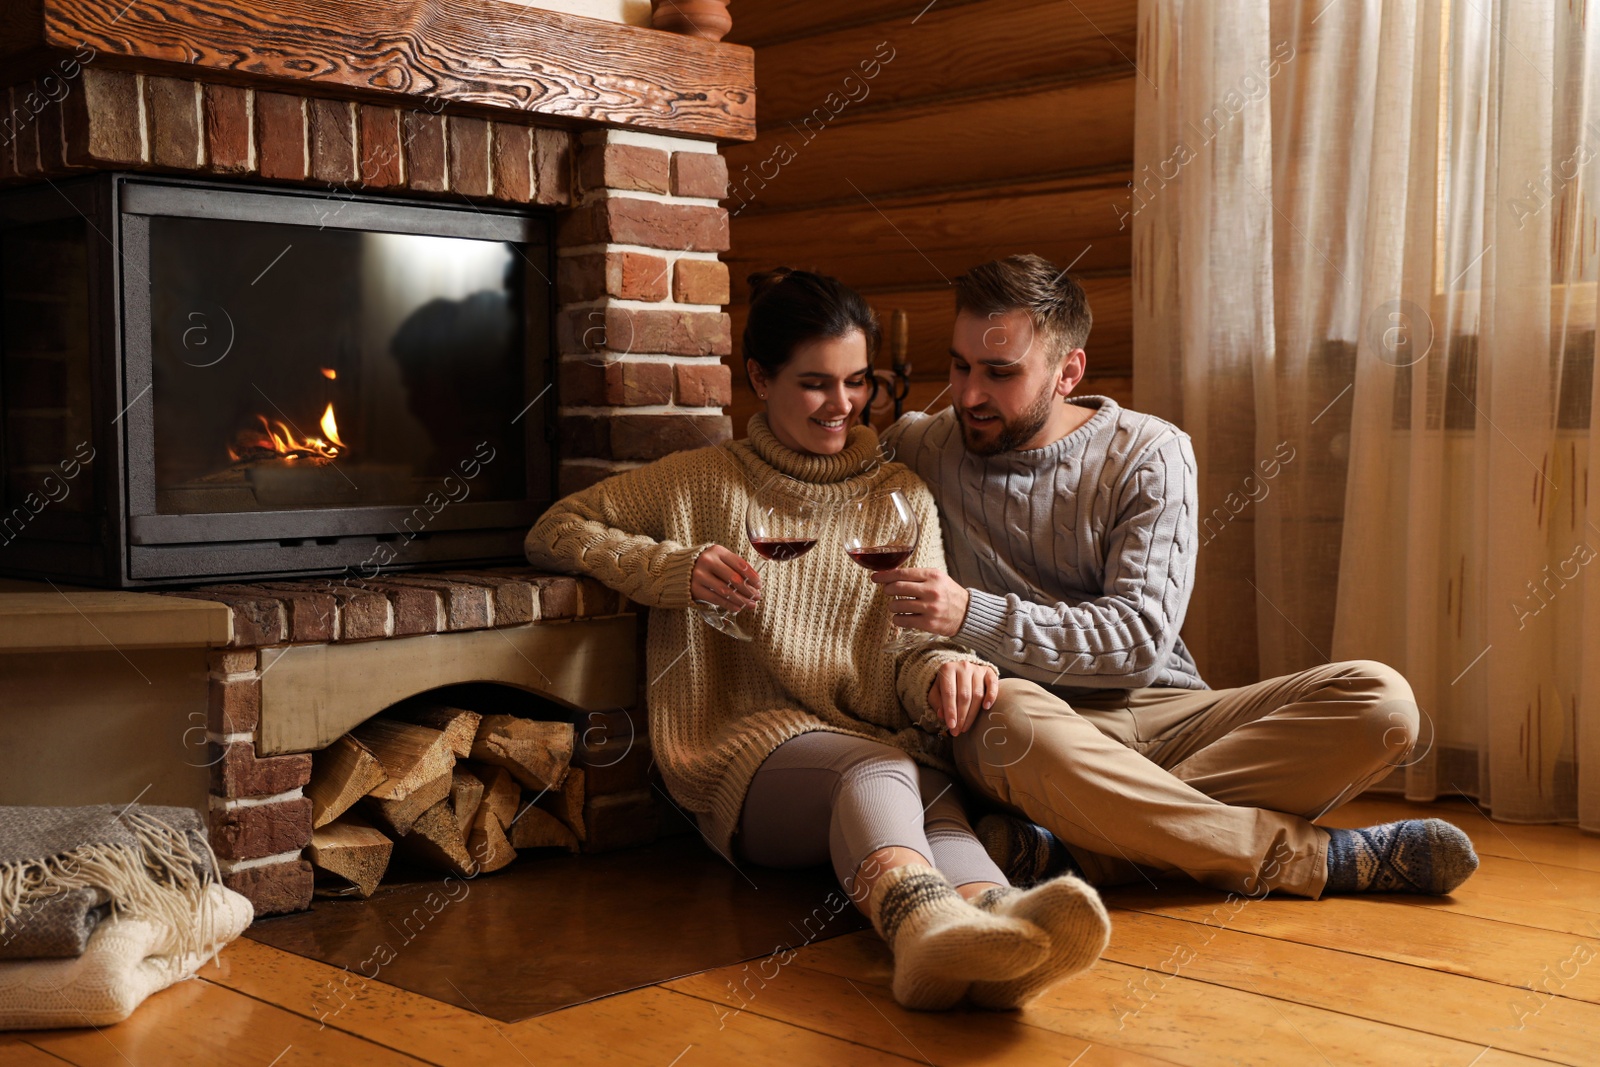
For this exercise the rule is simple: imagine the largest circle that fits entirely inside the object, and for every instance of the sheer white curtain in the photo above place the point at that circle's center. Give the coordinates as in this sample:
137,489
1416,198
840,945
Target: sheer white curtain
1365,268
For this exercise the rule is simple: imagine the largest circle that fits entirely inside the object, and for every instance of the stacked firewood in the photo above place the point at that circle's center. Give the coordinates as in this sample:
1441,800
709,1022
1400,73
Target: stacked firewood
443,787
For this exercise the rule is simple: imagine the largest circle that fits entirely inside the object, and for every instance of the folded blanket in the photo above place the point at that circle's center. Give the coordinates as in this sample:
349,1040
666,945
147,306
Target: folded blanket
126,961
54,925
63,869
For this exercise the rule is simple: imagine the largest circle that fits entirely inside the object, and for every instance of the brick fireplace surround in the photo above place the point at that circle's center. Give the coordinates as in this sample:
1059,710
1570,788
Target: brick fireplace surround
215,696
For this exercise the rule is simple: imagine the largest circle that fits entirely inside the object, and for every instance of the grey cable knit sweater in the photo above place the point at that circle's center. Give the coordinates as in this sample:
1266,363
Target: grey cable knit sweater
1078,556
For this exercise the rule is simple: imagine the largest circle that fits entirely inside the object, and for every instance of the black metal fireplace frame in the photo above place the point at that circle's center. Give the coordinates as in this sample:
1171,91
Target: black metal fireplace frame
122,541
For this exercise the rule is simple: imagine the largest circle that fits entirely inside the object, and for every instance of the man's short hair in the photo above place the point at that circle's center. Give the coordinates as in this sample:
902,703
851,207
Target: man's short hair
1055,303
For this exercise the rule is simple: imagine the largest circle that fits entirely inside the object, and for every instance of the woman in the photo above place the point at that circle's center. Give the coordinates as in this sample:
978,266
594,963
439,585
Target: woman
812,743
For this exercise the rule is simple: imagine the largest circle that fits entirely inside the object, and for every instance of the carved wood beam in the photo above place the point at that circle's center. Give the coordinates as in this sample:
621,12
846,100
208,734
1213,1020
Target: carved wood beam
490,55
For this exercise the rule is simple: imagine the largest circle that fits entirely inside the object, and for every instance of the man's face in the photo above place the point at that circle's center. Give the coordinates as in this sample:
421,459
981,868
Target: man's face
1003,384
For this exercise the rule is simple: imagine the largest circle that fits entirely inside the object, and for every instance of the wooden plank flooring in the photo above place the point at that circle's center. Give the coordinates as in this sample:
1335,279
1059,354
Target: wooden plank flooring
1505,972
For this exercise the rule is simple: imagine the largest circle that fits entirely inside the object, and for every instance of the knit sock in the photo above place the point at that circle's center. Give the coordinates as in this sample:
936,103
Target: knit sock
1414,856
1069,910
1026,853
941,943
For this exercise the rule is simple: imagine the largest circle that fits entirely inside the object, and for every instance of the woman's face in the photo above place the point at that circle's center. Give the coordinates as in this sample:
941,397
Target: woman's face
818,394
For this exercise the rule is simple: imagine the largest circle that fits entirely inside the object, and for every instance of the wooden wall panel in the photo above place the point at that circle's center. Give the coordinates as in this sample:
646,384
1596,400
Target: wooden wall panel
764,22
1072,221
997,127
1011,135
948,51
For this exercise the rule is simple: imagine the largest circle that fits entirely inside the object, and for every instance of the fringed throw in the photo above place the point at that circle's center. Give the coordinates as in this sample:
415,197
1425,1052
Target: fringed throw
63,869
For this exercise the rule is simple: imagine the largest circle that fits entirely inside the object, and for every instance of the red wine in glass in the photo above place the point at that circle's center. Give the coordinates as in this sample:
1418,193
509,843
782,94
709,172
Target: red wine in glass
783,549
881,535
880,557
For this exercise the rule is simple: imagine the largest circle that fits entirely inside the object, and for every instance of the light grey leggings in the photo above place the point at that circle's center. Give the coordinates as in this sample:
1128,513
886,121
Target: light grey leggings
823,796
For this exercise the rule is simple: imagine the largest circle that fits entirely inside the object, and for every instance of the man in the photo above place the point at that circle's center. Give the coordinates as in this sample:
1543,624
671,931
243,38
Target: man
1070,534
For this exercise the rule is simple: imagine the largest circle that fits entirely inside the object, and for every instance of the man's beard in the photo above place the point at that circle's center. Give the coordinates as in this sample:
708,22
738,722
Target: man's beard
1014,433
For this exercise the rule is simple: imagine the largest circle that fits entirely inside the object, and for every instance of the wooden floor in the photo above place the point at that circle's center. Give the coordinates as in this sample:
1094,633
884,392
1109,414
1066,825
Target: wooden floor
1505,972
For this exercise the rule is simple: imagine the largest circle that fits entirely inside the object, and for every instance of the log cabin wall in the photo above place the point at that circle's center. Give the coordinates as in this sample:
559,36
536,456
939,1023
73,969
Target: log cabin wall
900,142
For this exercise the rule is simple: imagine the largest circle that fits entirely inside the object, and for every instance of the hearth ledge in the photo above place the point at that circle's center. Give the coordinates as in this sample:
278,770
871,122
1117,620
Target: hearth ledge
35,617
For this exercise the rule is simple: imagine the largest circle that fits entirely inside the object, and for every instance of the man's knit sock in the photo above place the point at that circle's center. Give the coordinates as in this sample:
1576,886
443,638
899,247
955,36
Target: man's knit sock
1069,910
941,943
1028,854
1413,856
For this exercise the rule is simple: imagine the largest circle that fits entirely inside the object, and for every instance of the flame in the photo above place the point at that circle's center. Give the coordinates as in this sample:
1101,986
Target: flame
331,428
277,438
329,373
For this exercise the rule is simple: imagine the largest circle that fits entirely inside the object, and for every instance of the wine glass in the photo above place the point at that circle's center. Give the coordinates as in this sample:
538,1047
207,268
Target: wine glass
780,522
881,535
782,526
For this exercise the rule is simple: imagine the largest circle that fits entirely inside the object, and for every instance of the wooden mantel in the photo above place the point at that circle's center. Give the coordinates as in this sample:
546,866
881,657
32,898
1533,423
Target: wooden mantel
489,54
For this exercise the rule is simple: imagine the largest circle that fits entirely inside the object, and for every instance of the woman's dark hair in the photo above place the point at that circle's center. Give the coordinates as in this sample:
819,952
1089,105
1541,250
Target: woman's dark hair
790,307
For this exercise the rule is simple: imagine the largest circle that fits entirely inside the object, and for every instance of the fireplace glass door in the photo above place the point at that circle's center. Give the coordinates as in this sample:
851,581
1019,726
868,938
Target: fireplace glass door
303,367
306,374
206,380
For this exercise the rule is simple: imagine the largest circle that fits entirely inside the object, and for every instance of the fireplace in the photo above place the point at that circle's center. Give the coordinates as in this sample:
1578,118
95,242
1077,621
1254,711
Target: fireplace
266,317
270,381
280,302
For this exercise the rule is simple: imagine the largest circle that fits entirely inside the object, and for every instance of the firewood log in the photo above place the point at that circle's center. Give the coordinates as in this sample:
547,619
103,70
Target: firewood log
411,755
435,839
354,850
341,774
501,793
399,815
537,752
466,797
534,827
566,803
459,725
487,843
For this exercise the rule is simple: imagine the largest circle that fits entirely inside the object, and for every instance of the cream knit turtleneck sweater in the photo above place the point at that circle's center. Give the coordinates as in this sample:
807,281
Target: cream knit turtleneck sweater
718,707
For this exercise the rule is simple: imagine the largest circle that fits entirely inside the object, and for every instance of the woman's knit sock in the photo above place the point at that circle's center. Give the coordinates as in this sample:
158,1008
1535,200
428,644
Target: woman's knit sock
941,943
1026,853
1413,856
1069,910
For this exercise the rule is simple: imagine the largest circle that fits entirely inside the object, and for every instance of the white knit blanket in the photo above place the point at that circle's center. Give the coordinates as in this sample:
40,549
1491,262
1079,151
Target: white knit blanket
126,960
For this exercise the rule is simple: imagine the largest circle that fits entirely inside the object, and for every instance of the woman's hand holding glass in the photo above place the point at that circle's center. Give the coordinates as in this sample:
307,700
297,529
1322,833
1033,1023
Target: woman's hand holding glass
781,525
724,579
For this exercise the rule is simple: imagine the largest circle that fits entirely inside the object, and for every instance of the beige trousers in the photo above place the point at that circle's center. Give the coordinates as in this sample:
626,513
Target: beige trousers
1221,785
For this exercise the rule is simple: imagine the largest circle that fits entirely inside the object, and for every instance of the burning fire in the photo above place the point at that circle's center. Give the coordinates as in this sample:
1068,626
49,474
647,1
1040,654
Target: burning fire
282,442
